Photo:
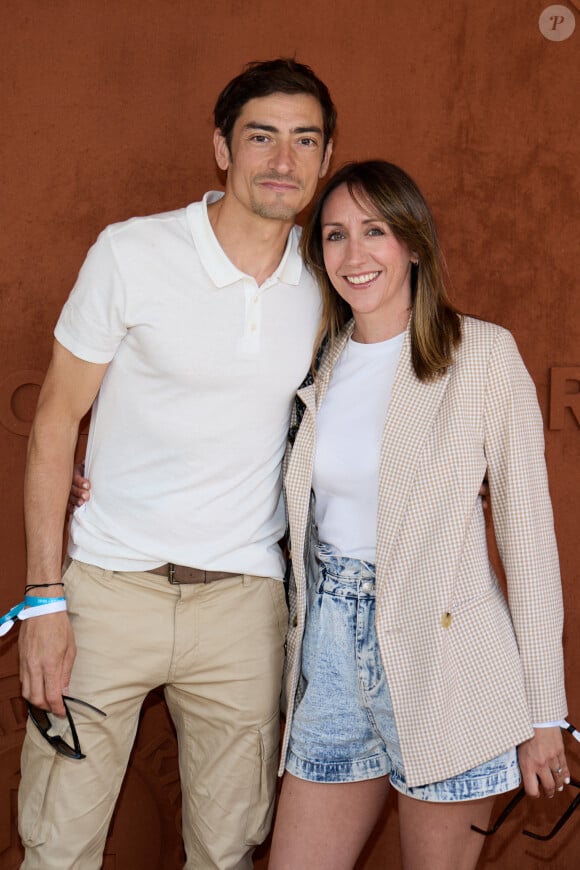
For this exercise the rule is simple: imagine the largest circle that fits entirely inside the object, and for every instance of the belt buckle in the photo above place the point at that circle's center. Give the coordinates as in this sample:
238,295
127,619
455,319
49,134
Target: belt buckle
171,574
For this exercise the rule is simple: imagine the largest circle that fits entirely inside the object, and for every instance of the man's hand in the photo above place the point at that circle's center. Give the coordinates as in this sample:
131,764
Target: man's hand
484,493
47,652
79,489
543,762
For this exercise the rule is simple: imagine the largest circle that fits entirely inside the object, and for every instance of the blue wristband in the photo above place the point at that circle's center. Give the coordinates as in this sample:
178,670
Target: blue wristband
12,614
35,601
31,606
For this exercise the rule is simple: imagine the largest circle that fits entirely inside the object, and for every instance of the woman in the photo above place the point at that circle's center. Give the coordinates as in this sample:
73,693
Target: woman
405,663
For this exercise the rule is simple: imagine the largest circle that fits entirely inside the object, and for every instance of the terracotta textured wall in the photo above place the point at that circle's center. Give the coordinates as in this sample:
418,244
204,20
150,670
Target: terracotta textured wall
106,113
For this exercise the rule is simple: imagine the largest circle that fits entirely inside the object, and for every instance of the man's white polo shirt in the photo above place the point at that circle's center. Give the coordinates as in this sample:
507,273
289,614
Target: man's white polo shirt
189,427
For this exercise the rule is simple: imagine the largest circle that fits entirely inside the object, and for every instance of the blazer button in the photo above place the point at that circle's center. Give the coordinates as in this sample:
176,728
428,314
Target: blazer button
295,621
446,620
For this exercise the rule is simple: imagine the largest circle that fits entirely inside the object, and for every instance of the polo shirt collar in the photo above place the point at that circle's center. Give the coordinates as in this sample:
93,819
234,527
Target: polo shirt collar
214,260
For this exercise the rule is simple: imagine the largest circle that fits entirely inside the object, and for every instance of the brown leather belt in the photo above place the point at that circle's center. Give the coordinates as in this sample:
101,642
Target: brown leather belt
182,574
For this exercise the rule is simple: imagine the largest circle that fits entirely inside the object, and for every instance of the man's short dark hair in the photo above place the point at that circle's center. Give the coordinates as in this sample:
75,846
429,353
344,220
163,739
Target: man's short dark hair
262,78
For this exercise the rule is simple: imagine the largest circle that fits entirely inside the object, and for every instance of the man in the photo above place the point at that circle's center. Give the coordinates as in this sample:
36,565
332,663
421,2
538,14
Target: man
190,332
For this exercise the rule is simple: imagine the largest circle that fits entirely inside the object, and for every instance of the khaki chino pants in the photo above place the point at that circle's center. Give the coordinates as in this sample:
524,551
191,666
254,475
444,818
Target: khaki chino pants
218,649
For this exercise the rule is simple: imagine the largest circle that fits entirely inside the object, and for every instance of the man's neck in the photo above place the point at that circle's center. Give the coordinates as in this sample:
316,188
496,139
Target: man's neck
254,244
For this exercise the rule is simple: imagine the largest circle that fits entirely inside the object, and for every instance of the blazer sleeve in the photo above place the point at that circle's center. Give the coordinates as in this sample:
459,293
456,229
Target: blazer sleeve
524,526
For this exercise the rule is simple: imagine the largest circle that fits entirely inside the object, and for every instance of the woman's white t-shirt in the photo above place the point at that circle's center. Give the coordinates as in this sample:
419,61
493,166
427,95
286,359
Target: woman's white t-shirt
350,426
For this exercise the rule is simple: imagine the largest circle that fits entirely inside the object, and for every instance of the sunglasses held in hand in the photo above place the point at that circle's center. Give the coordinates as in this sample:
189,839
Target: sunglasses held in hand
521,794
41,718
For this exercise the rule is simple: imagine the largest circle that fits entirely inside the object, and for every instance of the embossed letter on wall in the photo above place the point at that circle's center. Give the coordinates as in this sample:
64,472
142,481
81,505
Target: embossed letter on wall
18,397
564,393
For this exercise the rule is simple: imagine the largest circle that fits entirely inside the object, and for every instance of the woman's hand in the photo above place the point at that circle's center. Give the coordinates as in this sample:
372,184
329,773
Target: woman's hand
543,762
79,490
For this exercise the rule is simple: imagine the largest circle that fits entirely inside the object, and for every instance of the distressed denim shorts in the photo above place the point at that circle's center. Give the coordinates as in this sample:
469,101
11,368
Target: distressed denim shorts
344,727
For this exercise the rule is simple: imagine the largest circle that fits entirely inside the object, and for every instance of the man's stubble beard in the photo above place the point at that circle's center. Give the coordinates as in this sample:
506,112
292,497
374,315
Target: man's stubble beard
277,210
274,211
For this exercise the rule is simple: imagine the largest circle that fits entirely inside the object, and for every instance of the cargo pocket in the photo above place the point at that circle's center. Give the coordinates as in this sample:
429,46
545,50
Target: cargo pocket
38,761
263,792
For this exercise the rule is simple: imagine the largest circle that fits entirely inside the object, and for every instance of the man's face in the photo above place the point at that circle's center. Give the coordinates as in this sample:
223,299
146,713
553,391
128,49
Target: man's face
277,155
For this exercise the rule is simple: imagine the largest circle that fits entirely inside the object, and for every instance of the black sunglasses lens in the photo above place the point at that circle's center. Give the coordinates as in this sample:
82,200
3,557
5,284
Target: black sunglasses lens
42,721
66,750
39,717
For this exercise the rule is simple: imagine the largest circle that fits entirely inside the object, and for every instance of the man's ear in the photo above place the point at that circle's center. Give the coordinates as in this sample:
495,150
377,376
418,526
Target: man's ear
221,150
326,159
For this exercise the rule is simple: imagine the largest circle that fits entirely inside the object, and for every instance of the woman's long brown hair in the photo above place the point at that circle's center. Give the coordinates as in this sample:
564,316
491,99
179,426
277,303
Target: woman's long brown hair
386,190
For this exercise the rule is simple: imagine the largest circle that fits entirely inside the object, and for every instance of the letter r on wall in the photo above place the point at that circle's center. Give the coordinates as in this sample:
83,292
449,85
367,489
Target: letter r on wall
561,397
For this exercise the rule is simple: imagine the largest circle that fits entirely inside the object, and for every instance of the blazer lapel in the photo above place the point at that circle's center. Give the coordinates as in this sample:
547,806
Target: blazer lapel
299,474
411,413
329,360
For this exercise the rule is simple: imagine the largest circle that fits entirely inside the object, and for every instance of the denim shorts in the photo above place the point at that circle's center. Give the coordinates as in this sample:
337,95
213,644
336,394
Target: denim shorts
343,728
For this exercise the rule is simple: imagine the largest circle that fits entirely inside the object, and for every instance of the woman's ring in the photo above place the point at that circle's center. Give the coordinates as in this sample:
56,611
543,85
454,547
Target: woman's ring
559,770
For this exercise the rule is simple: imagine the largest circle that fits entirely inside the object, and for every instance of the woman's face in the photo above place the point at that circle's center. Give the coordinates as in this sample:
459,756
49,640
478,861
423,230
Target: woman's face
367,265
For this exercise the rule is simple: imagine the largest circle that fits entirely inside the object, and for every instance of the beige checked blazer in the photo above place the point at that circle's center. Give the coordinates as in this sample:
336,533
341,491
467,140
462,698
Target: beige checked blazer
467,674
